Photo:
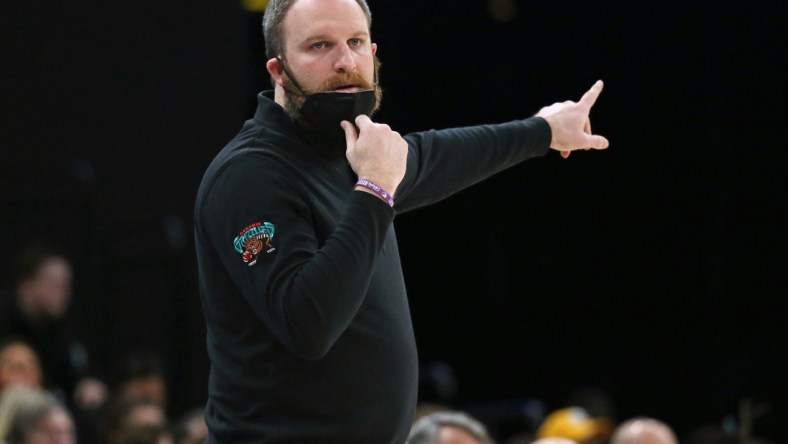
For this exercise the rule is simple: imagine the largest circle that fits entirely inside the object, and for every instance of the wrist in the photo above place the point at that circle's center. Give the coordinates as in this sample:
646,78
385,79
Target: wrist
375,189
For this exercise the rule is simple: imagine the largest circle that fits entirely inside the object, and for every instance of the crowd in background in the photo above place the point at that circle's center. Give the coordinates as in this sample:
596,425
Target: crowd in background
49,391
588,415
50,394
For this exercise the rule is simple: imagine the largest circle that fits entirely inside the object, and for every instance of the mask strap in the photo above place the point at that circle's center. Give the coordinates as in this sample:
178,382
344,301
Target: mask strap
290,75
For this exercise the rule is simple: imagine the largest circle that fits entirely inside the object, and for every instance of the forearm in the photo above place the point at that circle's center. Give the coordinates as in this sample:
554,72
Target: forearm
314,296
444,162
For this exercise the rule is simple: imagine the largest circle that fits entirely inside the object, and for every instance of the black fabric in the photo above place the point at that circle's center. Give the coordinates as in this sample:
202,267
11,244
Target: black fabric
309,333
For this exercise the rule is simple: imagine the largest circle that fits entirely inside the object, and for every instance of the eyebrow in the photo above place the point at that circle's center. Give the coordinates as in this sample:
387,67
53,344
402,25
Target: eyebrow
327,37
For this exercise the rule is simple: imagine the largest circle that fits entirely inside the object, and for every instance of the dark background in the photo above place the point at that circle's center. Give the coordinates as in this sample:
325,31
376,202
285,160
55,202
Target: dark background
654,270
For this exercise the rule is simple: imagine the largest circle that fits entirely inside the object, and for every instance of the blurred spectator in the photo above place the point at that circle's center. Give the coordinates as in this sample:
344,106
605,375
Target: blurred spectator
137,409
576,424
191,428
32,416
643,430
50,423
136,421
13,399
142,376
38,312
19,365
449,428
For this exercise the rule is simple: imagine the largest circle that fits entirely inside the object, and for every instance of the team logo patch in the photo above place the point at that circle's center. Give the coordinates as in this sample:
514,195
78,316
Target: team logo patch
253,240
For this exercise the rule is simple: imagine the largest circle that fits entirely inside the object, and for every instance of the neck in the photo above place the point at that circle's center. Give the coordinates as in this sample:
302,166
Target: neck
279,95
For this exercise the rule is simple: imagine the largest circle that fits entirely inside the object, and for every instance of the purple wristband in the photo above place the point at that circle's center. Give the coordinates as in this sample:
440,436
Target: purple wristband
378,190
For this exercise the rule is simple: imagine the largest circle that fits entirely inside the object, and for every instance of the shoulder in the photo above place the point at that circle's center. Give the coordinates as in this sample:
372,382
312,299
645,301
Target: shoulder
243,163
249,181
247,169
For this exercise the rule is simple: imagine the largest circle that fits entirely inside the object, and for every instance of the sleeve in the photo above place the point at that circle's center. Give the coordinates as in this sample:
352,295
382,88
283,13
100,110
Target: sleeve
257,220
443,162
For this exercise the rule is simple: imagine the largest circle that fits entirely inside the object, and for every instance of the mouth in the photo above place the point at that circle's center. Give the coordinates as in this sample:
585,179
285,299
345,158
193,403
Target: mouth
347,88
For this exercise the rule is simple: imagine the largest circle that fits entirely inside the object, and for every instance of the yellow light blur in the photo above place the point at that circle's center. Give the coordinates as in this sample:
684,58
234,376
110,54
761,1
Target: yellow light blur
254,5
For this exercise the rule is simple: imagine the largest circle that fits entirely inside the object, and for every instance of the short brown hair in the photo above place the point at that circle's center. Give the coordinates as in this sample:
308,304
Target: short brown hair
274,16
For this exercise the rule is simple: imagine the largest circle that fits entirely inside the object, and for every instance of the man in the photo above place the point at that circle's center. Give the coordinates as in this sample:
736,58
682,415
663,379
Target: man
643,431
40,418
309,330
449,427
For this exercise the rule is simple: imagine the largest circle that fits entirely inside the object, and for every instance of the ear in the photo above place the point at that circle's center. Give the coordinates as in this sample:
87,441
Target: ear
374,48
274,68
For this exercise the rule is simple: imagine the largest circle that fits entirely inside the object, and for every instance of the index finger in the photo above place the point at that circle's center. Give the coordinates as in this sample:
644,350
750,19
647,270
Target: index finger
363,121
589,98
351,133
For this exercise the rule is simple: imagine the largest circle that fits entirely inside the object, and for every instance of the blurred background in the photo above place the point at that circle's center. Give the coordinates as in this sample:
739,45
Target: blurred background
654,272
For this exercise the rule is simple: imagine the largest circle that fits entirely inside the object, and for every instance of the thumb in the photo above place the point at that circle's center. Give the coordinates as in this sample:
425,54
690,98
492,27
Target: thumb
596,142
351,133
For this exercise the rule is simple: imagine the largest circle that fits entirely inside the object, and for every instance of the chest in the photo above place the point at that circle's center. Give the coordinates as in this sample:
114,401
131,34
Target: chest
327,192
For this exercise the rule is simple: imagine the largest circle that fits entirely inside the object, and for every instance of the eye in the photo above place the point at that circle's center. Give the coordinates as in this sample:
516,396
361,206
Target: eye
354,42
318,45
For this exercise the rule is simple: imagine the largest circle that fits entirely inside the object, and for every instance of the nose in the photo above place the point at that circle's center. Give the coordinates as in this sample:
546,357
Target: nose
346,60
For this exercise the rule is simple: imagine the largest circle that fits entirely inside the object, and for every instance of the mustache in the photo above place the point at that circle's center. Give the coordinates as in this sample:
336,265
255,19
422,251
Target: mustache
343,79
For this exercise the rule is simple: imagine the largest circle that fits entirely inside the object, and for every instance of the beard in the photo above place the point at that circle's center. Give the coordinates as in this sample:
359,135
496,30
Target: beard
294,98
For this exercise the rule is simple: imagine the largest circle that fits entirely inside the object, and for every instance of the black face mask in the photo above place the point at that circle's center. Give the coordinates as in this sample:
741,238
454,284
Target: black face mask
324,111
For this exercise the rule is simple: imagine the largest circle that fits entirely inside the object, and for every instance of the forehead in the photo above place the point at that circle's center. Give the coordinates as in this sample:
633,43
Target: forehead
16,352
55,265
309,18
456,435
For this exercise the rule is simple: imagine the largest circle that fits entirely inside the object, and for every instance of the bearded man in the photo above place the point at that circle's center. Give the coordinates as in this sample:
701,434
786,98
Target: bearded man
311,340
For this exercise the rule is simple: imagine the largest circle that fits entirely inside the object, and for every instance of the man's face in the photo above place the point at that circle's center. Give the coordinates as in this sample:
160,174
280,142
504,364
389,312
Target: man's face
55,428
50,288
327,48
19,366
